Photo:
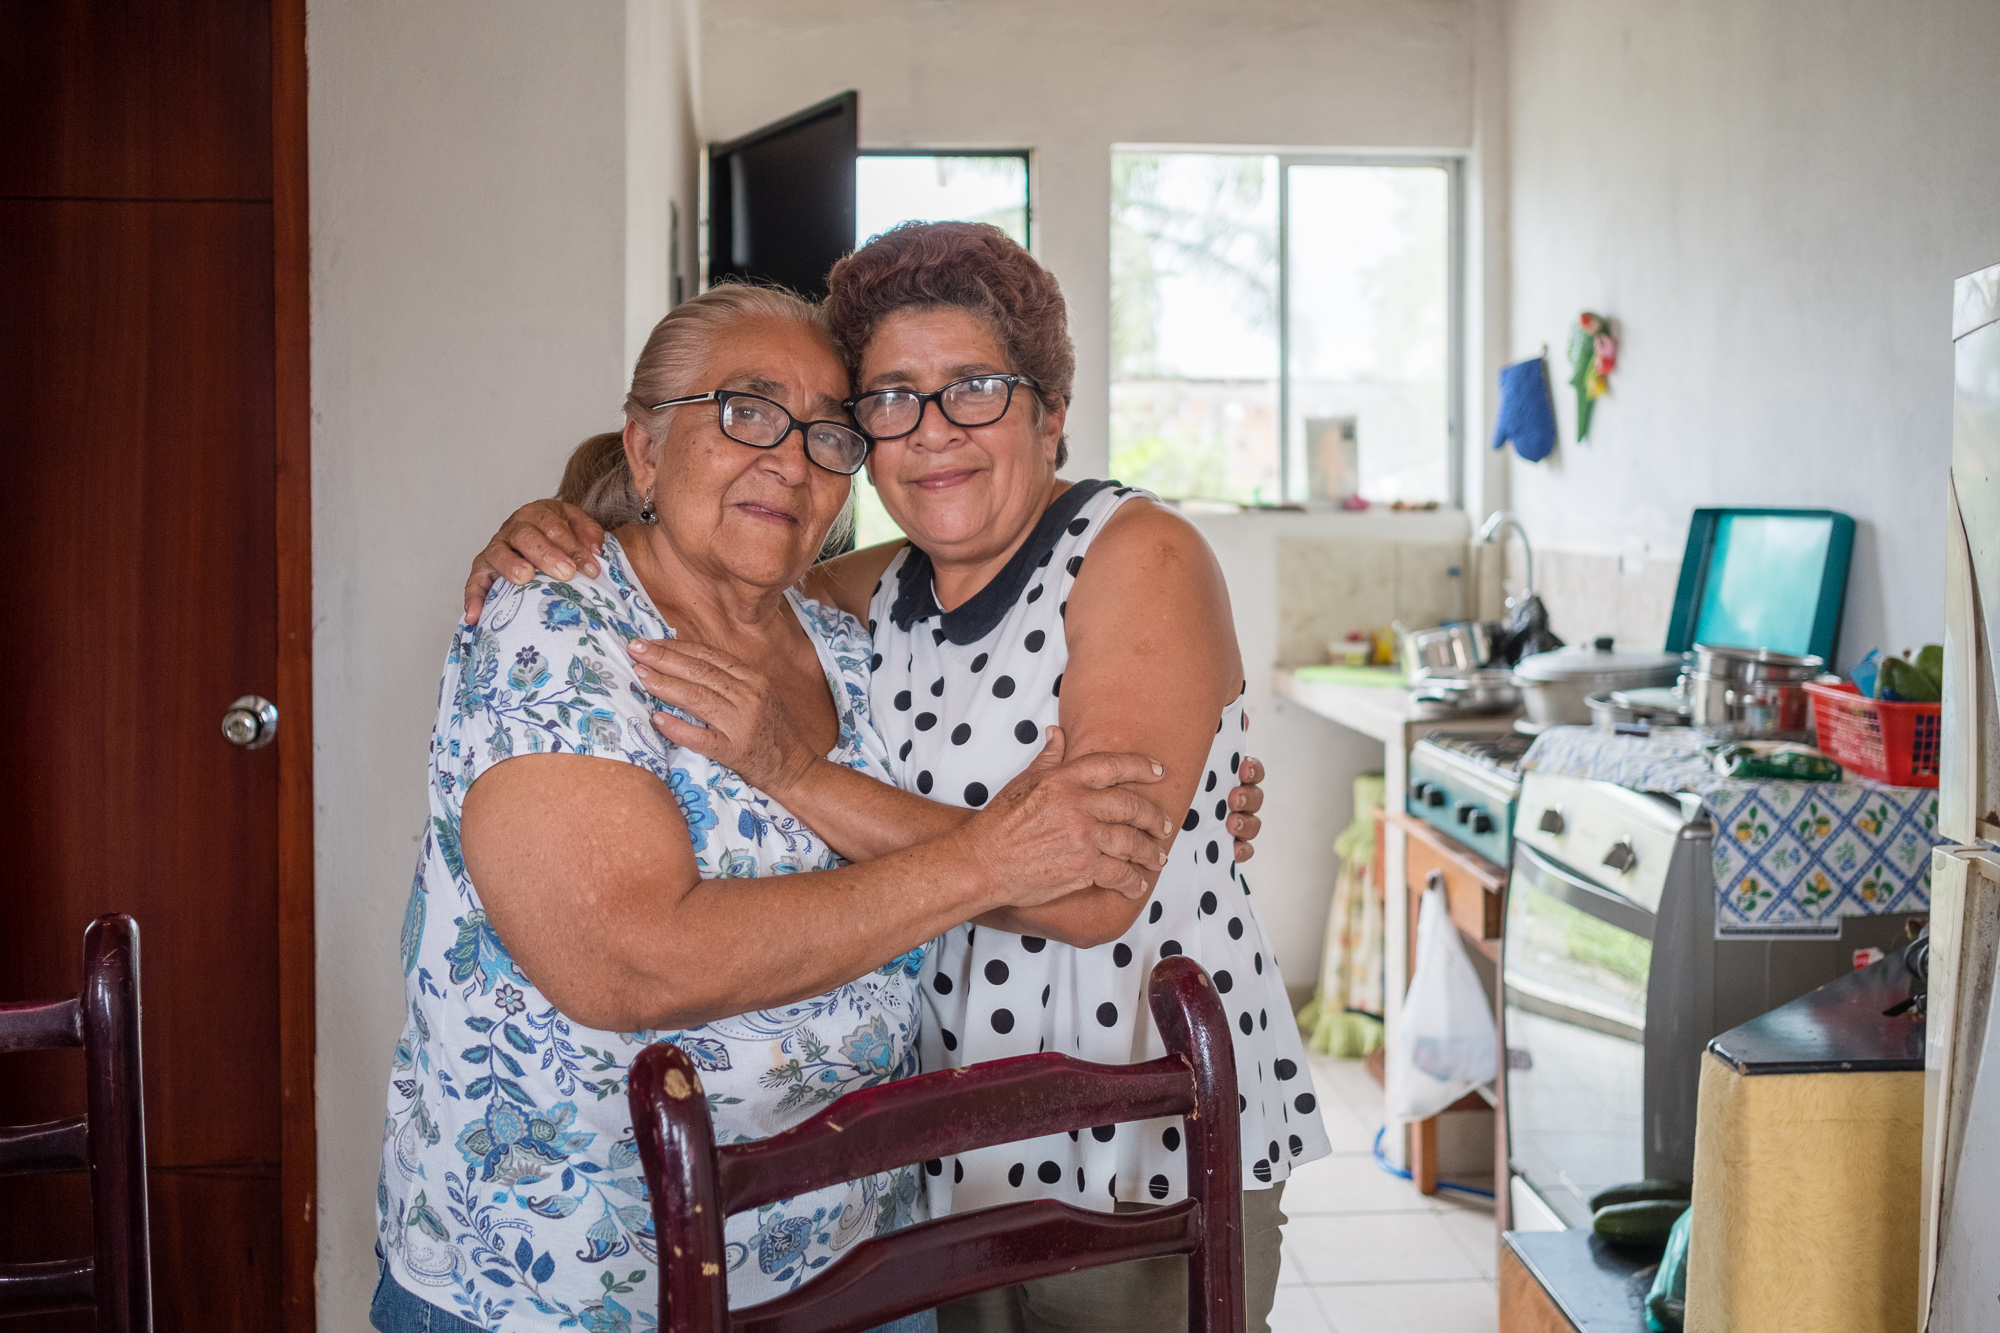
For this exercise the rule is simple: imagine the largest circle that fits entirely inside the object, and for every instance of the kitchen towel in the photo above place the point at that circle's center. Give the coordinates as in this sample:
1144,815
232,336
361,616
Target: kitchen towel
1527,412
1344,1017
1789,857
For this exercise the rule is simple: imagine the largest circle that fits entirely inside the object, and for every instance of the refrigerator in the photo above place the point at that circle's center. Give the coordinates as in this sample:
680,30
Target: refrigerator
1959,1245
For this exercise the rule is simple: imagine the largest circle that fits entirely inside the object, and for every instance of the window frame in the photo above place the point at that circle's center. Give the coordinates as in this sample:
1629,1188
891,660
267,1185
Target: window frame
1026,156
1290,452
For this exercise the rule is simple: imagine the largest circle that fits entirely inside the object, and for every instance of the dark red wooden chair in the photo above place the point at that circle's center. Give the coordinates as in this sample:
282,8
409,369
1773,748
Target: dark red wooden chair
695,1185
109,1141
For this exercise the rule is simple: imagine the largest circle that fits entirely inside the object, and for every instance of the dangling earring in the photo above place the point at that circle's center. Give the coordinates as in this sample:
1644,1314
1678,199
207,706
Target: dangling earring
647,514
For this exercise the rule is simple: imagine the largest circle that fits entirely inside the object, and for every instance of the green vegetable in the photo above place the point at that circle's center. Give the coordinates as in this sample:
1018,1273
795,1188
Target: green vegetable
1905,682
1641,1191
1647,1222
1930,661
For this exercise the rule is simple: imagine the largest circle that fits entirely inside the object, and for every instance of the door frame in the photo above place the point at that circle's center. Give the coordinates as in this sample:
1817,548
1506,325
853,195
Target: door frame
298,1171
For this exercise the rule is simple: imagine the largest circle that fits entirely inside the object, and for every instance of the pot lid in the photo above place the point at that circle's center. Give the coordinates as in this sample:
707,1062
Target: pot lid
1802,662
1596,659
1659,700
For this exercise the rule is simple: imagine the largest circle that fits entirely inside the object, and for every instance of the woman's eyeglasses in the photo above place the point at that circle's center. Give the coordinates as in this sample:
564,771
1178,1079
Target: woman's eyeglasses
763,424
979,400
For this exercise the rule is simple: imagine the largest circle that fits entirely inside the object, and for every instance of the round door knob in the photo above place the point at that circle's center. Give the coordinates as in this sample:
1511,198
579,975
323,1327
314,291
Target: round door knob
251,722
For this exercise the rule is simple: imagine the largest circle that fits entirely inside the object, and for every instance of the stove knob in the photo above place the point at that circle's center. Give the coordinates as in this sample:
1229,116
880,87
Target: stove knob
1464,811
1621,857
1482,822
1552,820
1418,790
1434,797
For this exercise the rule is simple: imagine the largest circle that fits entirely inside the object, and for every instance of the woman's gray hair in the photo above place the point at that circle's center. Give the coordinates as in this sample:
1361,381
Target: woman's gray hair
672,365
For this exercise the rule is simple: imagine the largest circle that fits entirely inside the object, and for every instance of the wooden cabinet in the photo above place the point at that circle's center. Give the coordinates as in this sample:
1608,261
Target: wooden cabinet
1475,896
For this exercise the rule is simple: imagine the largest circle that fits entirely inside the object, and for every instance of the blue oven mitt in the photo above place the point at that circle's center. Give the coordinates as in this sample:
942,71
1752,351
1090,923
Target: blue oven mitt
1527,412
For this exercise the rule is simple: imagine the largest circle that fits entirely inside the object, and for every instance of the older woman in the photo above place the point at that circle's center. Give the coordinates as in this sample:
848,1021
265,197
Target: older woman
587,885
1022,600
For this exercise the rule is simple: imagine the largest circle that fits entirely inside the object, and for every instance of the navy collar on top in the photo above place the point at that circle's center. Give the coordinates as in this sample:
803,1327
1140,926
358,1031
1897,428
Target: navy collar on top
978,616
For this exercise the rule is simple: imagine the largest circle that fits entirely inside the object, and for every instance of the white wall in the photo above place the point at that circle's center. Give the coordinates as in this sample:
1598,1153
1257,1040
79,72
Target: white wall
1773,199
488,228
1070,79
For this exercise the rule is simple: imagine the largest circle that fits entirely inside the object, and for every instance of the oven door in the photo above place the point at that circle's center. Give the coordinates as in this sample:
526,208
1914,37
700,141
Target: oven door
1574,988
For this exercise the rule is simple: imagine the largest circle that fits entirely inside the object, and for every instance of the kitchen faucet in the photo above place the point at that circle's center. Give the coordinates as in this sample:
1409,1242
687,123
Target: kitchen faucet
1504,518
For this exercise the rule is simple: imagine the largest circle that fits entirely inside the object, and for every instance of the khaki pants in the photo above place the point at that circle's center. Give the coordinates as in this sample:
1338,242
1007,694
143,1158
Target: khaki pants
1145,1296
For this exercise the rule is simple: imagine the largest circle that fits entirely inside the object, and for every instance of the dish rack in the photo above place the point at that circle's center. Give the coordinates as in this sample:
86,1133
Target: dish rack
1891,743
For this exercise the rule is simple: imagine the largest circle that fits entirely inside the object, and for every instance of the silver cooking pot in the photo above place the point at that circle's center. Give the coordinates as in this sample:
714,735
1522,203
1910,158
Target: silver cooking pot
1751,693
1556,687
1454,650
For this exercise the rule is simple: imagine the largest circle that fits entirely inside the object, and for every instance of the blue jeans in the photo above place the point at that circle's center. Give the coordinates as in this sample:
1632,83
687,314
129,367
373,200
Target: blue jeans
395,1310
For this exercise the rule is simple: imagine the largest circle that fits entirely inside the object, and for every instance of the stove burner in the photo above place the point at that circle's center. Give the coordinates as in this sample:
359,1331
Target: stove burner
1502,750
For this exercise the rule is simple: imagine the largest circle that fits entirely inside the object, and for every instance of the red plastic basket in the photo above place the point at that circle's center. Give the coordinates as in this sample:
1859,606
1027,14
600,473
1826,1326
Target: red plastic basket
1889,742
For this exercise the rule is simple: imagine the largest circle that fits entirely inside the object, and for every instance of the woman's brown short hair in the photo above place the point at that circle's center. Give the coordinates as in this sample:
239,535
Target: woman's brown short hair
973,267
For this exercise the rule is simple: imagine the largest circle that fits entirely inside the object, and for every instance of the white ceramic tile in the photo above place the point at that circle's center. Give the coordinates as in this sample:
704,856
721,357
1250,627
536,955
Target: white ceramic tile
1351,1184
1295,1311
1411,1307
1476,1235
1349,1082
1347,1132
1377,1247
1288,1269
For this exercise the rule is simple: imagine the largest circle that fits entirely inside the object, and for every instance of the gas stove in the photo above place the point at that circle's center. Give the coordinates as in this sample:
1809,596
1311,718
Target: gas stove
1466,784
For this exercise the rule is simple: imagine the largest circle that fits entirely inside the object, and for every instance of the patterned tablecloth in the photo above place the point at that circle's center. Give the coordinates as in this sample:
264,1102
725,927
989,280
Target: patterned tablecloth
1789,856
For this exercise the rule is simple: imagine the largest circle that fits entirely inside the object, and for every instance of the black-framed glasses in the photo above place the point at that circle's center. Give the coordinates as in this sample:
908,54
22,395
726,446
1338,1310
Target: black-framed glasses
977,400
762,424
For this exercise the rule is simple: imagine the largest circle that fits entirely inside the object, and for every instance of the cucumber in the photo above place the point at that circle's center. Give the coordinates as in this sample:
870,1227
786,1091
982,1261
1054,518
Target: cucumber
1646,1222
1641,1191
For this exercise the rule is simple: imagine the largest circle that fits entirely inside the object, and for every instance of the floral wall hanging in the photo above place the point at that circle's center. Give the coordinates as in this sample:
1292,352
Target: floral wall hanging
1593,355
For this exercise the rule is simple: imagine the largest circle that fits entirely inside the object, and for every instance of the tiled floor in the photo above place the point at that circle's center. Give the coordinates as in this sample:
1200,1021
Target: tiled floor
1366,1253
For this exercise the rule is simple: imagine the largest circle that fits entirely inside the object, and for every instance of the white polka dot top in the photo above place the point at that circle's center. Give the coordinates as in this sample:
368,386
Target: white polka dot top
962,698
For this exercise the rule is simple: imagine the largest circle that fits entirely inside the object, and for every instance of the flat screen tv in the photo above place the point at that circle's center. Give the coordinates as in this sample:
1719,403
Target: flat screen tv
781,199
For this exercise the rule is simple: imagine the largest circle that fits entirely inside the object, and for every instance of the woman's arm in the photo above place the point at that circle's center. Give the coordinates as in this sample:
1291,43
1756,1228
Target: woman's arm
556,538
749,727
1153,662
585,869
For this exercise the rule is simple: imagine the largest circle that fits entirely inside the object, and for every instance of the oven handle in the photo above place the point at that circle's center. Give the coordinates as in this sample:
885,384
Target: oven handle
1566,885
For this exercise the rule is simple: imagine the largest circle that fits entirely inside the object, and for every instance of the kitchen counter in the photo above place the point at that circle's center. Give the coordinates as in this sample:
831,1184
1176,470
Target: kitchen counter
1573,1277
1387,714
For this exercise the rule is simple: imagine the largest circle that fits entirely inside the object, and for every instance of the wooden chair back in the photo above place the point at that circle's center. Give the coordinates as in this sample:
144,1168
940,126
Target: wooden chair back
695,1184
109,1141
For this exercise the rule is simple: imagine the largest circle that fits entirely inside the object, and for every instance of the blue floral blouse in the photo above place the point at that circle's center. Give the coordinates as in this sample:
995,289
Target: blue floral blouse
510,1191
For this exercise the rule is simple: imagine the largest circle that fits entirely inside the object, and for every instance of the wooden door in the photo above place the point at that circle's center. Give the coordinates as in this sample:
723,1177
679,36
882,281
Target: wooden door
140,405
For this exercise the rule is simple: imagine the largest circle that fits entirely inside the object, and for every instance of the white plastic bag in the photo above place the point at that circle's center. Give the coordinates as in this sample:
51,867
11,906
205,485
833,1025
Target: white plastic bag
1442,1045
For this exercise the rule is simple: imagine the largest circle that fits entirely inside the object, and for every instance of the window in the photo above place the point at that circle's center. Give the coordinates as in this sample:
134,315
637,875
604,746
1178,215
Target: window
1284,327
893,187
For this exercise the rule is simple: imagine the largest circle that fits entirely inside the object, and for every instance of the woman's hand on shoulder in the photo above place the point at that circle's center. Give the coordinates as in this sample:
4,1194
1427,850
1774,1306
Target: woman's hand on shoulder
546,535
1058,827
1244,803
748,726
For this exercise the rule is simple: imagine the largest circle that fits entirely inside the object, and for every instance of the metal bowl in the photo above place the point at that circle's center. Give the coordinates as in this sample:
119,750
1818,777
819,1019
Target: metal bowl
1453,650
1485,691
